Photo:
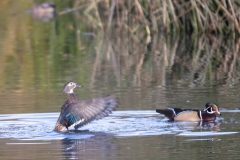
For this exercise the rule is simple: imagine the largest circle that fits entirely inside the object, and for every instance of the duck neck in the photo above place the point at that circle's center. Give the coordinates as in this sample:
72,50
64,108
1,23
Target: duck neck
208,117
72,98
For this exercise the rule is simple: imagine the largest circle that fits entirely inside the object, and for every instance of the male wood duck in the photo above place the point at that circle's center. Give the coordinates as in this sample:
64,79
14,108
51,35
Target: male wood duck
76,113
209,113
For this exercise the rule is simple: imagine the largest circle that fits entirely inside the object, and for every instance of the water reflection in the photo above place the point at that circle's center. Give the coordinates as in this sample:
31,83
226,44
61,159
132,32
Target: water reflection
144,71
169,61
38,58
100,146
207,126
60,50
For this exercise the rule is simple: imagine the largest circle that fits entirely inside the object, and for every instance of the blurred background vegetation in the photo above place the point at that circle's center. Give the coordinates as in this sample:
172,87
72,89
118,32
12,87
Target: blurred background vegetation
111,44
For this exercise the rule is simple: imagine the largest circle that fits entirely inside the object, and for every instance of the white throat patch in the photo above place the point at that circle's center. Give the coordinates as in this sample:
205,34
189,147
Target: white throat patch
71,91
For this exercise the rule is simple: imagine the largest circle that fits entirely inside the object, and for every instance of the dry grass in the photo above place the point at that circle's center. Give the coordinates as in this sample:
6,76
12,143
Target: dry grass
135,39
168,16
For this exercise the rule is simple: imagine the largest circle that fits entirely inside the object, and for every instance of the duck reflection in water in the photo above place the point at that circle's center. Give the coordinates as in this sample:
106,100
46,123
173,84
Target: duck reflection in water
193,126
99,146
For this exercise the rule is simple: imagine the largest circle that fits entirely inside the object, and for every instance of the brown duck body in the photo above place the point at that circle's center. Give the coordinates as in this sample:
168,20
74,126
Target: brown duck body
210,113
77,113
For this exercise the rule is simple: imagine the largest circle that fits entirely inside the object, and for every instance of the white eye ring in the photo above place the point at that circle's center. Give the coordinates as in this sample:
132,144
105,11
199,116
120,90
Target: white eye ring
71,84
211,111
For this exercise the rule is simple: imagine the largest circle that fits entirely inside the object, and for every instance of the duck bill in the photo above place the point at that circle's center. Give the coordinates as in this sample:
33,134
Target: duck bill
218,113
78,86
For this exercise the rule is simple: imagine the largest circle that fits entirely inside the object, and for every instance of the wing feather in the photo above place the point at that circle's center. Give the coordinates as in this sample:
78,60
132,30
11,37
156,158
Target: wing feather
82,112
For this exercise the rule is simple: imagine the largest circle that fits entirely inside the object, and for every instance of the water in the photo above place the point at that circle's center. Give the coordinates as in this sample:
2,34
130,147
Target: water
144,133
37,58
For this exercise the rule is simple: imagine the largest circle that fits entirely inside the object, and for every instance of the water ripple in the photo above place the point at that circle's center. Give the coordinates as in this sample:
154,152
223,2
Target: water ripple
39,126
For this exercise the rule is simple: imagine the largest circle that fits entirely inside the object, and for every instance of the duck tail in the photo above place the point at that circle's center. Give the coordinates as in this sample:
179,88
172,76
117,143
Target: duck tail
169,113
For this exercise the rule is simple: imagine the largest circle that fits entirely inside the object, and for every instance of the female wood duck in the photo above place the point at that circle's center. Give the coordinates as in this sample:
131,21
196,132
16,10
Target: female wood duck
208,114
44,11
76,113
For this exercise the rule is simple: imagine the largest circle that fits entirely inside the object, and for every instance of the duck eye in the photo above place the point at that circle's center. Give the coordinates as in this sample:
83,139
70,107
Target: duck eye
210,109
71,84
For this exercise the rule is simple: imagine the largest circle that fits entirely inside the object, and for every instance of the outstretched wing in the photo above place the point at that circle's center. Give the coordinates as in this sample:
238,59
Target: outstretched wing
82,112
